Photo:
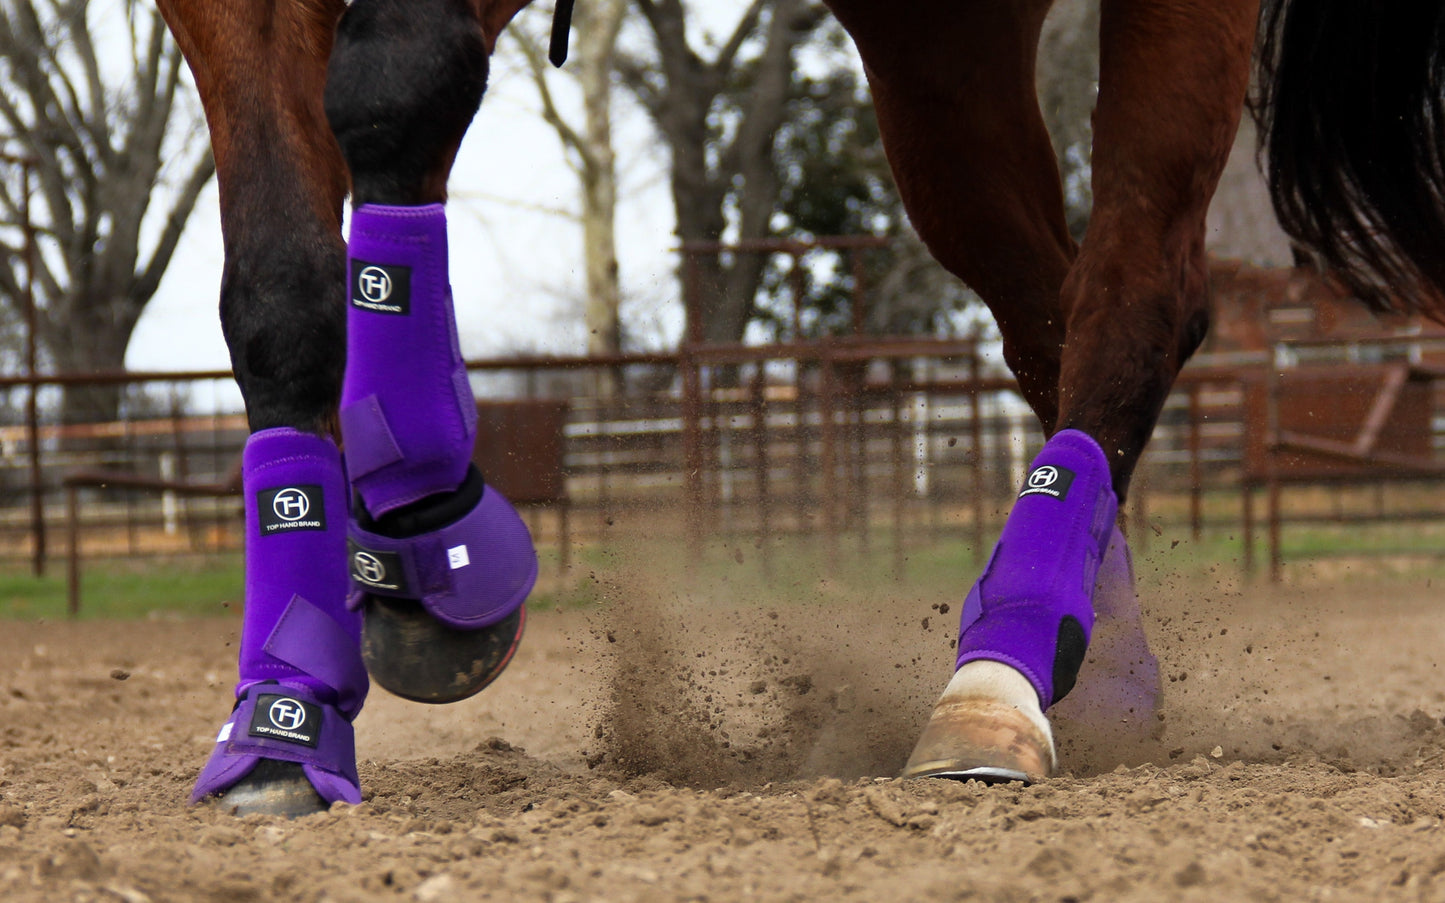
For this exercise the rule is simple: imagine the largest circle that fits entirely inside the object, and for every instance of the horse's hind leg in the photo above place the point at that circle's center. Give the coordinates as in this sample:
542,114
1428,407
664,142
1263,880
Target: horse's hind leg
1173,77
287,745
440,562
953,85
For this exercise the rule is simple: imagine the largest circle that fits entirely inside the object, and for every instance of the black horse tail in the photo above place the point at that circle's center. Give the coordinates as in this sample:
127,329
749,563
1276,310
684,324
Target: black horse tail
1350,102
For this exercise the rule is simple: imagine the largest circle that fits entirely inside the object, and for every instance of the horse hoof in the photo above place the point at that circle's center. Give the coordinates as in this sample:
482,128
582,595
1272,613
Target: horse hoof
986,727
272,788
415,656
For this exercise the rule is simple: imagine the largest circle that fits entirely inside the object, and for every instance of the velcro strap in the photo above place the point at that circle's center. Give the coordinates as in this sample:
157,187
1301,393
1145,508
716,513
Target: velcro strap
370,444
411,568
310,640
288,723
466,402
468,574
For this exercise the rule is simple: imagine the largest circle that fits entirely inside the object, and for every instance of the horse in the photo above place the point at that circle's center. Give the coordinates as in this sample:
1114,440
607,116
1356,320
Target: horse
402,563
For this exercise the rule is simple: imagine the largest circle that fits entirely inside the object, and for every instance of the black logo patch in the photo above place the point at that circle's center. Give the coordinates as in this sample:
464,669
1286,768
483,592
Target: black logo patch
374,569
286,718
289,508
1048,480
380,288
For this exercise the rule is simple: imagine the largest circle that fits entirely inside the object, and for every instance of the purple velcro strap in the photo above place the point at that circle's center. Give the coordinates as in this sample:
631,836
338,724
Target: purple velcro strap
468,575
310,640
288,723
370,445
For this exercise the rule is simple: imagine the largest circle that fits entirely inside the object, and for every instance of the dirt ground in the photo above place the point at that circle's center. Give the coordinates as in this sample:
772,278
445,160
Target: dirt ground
673,745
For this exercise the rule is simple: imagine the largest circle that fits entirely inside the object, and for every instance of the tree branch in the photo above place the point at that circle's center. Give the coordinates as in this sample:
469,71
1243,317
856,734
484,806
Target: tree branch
537,66
150,278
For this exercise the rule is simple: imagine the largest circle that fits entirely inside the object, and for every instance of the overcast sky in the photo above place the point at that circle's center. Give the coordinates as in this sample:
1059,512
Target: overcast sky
516,262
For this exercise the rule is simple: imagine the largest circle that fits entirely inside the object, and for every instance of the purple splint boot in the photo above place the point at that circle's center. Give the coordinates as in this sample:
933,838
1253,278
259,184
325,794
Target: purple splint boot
407,414
429,541
302,681
1032,607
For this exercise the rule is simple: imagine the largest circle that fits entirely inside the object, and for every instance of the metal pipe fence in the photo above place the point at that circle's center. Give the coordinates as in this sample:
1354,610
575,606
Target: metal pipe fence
867,444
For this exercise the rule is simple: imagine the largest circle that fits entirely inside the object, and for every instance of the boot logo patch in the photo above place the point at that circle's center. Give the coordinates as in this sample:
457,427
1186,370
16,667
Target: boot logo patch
286,718
290,508
1048,480
380,288
376,570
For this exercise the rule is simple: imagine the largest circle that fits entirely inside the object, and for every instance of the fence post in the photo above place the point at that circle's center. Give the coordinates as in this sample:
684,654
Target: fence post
72,572
1196,477
761,463
975,411
827,410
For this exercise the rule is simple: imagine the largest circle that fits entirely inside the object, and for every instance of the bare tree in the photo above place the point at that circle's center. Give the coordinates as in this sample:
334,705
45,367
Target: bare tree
1068,85
719,116
99,115
592,157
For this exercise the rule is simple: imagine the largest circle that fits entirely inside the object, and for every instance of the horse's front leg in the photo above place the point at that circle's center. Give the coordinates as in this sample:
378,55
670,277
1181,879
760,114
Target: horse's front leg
440,562
287,746
1172,82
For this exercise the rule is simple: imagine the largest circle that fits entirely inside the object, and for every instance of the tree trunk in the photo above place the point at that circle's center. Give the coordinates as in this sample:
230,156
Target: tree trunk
717,169
89,334
600,24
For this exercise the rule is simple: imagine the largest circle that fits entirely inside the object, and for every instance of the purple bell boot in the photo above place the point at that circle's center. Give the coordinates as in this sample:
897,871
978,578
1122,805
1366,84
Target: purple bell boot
440,562
302,681
1032,608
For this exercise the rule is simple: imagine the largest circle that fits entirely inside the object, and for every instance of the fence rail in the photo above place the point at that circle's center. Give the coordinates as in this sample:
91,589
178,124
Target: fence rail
877,440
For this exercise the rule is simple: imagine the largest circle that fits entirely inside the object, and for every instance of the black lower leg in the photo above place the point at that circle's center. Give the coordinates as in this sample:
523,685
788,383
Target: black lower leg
404,81
284,318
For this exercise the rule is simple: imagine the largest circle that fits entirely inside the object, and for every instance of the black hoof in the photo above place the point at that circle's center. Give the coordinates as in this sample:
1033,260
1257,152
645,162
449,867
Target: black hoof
273,788
413,655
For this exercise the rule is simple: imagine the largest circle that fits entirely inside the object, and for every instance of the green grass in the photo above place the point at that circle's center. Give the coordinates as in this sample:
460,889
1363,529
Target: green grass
128,588
799,570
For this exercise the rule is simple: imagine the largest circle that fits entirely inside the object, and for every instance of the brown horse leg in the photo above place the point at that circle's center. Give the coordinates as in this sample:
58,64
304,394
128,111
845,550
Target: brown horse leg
1172,82
441,562
260,68
953,84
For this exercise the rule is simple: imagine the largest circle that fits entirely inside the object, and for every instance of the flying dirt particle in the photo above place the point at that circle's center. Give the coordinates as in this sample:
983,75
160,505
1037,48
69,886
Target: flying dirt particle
925,624
943,608
119,674
738,555
611,637
802,684
1191,875
1174,545
1217,752
952,441
609,521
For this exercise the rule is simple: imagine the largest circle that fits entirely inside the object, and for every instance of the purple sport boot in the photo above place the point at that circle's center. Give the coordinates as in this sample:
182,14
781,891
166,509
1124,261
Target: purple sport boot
1026,623
288,747
440,562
